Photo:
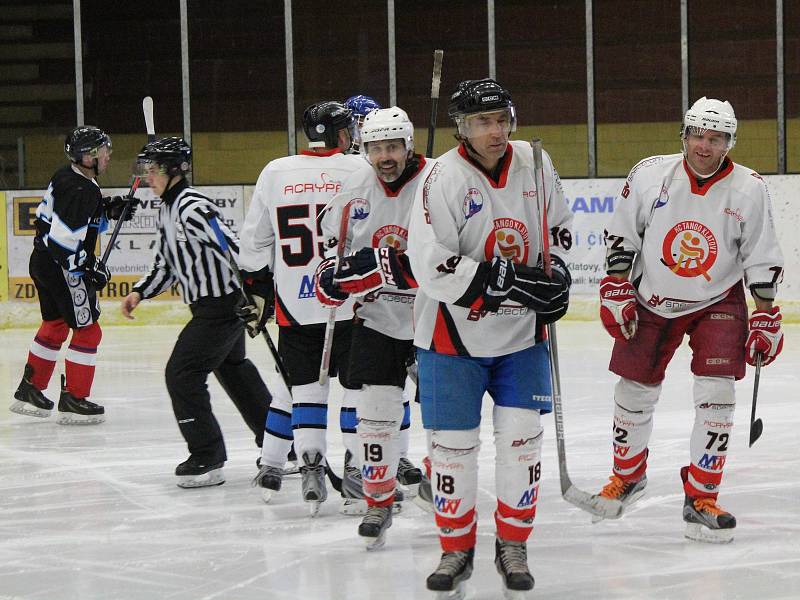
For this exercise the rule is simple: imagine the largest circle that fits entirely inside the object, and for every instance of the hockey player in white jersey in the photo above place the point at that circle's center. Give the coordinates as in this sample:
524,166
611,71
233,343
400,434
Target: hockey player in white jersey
688,228
482,301
281,240
376,202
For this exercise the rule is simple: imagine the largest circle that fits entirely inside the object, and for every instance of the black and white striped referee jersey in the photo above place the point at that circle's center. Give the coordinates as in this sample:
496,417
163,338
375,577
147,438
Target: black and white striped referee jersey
188,251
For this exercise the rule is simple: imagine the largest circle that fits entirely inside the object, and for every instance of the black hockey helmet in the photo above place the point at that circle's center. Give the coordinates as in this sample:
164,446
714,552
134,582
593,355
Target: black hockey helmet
172,154
323,120
85,139
478,95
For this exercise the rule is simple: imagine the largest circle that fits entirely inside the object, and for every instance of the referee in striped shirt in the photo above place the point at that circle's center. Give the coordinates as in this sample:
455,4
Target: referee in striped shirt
191,254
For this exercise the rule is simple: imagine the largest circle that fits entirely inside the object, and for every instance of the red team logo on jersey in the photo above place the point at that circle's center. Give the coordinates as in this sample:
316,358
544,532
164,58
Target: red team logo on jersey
509,239
393,236
689,250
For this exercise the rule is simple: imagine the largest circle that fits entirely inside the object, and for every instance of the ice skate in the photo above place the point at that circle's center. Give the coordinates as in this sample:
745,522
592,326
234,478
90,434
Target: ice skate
705,521
195,473
313,484
450,576
408,476
291,467
374,525
616,496
353,503
29,400
78,411
269,479
511,561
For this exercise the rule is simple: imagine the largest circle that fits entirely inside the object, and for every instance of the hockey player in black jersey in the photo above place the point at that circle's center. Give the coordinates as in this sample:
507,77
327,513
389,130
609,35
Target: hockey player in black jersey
192,252
67,276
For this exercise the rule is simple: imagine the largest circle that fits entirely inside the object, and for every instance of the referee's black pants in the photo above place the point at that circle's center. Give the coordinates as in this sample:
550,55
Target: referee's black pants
214,340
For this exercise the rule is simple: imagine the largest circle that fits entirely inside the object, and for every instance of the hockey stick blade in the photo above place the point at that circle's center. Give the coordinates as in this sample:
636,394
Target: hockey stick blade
149,121
593,503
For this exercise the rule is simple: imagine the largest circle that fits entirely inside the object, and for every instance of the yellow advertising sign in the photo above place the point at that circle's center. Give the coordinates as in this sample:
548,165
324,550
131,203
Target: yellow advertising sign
21,289
3,250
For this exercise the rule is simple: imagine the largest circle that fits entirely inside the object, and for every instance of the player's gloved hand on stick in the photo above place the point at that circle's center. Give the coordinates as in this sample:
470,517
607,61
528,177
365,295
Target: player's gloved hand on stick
618,307
369,270
327,290
528,286
558,306
259,290
766,337
96,273
115,205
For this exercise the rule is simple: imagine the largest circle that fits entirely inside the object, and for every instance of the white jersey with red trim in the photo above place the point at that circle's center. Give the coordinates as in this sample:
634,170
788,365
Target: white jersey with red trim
462,218
281,229
378,217
694,243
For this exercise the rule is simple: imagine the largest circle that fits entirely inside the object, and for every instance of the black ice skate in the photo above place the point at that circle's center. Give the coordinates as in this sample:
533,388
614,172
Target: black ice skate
29,400
705,521
617,495
291,467
196,473
313,484
269,479
424,497
511,560
77,411
374,525
449,577
409,476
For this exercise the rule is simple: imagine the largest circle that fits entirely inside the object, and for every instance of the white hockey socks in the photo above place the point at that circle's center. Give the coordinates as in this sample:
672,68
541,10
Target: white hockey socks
634,404
310,418
714,403
454,478
380,412
518,442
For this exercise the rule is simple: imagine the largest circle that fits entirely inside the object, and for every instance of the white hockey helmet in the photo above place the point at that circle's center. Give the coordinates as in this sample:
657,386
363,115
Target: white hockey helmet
388,124
709,113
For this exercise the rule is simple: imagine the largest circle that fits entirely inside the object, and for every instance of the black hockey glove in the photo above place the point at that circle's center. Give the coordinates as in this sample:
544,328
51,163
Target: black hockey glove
96,273
115,205
259,290
557,307
528,286
327,290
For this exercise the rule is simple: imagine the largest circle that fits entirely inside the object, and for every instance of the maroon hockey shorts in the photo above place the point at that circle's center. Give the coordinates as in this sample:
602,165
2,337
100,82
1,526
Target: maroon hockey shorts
717,335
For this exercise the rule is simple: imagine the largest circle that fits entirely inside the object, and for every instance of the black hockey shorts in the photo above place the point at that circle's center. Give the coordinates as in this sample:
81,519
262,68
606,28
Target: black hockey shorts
61,295
300,348
377,359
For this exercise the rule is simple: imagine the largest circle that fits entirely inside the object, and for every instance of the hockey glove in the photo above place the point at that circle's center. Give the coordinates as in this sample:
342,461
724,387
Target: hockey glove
370,269
115,205
327,290
528,286
618,307
96,273
766,337
558,306
259,290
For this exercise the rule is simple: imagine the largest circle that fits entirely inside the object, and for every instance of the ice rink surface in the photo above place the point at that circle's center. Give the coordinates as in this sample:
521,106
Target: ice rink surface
94,513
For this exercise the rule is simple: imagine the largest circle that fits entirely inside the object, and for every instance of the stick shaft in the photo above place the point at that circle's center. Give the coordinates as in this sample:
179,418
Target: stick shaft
436,80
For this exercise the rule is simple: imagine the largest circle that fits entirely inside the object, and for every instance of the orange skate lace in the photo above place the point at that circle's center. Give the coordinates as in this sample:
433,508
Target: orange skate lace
708,505
614,489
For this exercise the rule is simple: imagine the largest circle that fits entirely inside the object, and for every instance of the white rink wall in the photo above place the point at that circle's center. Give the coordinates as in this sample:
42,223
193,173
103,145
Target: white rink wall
591,201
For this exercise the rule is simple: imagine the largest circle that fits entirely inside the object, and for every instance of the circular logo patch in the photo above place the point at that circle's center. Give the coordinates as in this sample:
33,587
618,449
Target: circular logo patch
689,250
508,239
393,236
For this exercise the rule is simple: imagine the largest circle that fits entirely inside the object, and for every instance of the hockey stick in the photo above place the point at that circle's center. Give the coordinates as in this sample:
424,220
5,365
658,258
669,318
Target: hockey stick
223,244
569,492
438,56
149,123
327,345
756,425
